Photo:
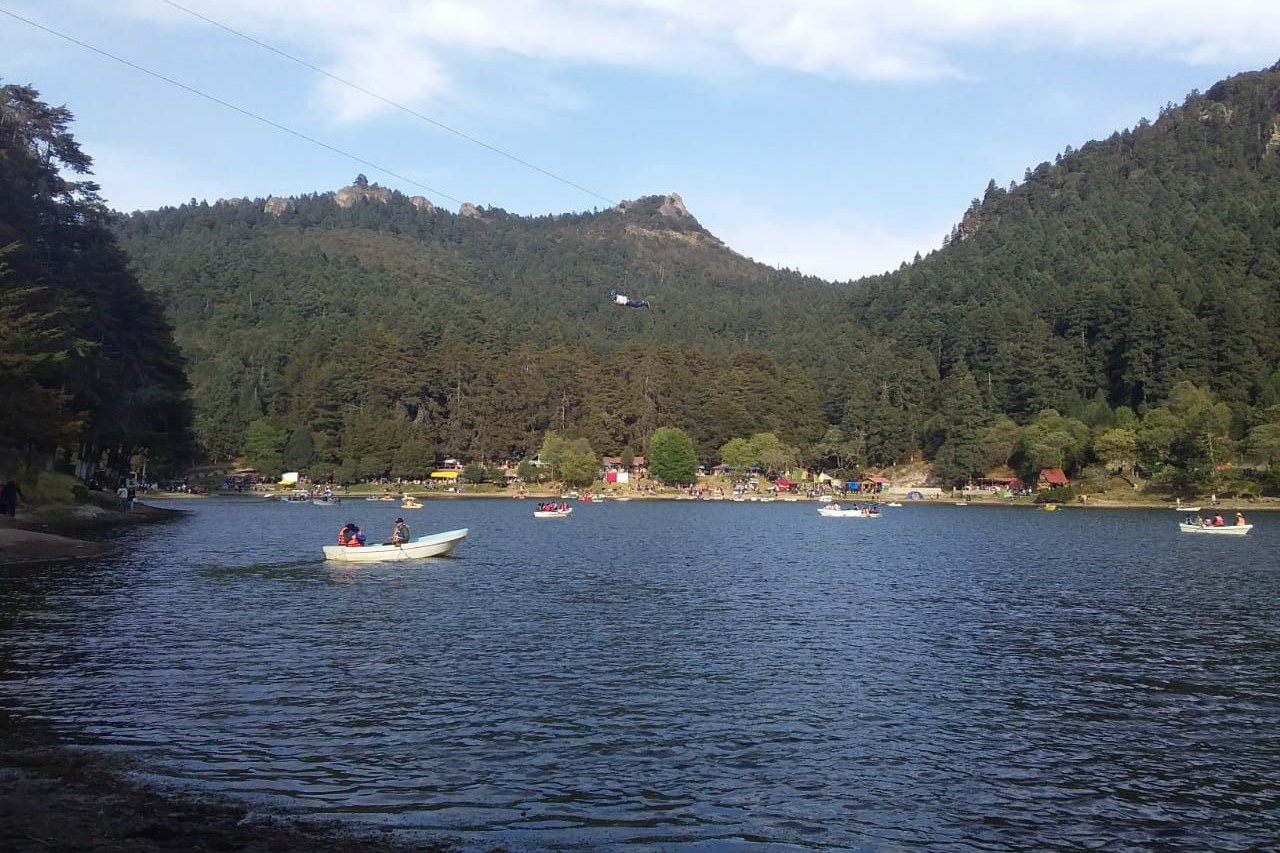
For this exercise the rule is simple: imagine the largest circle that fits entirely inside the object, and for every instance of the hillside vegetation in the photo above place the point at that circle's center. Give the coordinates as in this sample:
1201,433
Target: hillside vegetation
1118,306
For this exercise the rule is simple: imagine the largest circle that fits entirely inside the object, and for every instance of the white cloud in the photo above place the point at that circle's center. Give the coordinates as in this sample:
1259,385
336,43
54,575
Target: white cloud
399,48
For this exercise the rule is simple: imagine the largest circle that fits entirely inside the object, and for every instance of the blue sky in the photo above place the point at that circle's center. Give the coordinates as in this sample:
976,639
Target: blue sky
836,137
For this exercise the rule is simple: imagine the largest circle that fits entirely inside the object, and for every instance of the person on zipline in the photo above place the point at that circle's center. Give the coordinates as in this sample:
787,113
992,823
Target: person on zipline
620,299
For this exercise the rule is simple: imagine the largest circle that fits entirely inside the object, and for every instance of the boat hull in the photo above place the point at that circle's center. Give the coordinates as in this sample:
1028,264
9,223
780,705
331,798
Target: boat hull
560,513
436,545
1229,530
846,513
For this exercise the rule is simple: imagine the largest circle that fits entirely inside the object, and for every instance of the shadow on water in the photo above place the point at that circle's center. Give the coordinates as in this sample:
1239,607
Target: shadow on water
688,677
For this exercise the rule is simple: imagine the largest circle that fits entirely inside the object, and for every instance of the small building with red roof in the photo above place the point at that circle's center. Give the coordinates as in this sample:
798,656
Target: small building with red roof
1052,478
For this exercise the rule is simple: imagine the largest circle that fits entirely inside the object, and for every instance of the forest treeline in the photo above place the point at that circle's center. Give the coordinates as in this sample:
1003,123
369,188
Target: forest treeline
89,372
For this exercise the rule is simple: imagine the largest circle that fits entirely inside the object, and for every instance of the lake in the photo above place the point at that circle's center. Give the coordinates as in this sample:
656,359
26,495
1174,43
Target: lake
686,676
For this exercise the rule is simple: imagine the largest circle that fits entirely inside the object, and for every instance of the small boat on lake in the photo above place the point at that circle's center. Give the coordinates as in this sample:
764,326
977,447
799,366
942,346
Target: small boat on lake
1225,530
410,503
836,511
553,513
893,503
435,545
326,501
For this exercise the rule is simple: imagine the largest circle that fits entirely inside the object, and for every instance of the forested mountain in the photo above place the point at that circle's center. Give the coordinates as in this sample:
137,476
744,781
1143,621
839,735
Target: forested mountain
88,366
470,335
1134,278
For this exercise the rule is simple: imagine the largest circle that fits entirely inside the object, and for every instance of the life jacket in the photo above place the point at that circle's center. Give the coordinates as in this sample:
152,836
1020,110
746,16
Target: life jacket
342,536
355,540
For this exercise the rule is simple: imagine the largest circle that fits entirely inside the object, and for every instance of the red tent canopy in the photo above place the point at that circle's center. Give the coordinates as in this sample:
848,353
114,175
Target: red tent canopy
784,483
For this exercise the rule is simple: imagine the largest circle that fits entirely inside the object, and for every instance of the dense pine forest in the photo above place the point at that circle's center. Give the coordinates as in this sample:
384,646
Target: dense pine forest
1115,312
89,373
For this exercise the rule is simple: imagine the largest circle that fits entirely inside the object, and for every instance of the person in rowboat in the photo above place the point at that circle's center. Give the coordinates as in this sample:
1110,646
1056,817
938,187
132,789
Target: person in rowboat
348,530
351,535
401,533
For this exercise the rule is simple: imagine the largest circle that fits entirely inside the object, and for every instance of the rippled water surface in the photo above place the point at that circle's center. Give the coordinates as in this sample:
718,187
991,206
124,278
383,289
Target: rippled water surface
687,676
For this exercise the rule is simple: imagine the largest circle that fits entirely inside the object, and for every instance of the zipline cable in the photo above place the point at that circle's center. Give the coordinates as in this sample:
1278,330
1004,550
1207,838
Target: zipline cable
391,103
299,134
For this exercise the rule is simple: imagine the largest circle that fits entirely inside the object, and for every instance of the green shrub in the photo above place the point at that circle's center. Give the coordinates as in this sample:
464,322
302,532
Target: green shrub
1056,495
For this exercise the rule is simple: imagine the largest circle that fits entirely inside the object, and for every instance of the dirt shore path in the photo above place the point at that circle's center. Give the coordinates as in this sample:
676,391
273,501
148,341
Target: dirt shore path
19,546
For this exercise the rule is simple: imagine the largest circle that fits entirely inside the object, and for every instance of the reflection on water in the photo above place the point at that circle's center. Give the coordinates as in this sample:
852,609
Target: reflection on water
676,676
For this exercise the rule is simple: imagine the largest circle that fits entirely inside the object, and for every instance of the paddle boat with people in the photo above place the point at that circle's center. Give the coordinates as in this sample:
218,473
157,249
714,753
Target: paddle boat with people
421,547
553,510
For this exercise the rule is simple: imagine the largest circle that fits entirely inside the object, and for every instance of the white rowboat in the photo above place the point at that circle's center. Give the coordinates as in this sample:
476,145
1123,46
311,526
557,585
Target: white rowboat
553,513
435,545
1228,530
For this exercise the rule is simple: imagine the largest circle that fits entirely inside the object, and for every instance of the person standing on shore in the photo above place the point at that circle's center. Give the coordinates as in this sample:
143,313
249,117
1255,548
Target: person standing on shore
9,494
122,495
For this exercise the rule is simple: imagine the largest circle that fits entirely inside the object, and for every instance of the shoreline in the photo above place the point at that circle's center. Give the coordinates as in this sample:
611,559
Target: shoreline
54,534
1098,502
54,796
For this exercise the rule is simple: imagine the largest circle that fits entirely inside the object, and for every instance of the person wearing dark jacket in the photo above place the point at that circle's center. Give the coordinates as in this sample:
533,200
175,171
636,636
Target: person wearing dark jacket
9,494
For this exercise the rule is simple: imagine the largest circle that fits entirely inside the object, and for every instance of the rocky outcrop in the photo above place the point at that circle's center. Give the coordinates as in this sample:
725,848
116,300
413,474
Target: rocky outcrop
421,202
470,211
276,206
1273,144
347,196
671,206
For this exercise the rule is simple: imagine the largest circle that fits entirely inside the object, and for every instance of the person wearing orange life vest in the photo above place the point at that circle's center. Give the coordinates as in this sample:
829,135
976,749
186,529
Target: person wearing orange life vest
351,536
